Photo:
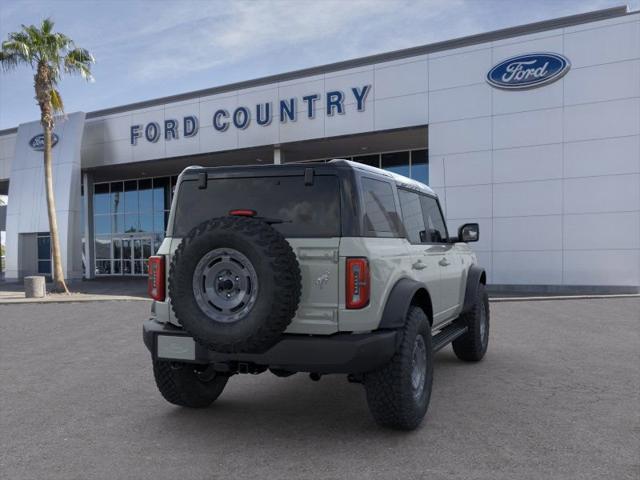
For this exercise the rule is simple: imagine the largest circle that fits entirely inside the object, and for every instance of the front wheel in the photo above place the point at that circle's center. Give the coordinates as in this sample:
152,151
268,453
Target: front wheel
472,346
398,394
183,384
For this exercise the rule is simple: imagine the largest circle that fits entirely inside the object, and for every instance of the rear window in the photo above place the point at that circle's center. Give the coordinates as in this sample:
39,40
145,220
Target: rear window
306,210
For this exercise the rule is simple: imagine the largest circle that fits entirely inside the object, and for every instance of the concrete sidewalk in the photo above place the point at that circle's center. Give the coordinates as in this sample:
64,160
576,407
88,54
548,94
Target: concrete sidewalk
102,289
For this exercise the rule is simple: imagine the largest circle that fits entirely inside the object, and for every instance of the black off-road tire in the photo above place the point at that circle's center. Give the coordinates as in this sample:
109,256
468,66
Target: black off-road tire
390,394
279,284
472,346
180,384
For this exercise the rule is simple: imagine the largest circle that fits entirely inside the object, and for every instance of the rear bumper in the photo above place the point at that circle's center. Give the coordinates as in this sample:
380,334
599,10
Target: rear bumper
339,353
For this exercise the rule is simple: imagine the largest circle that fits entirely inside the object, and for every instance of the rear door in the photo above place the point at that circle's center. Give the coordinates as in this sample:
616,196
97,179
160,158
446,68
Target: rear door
425,256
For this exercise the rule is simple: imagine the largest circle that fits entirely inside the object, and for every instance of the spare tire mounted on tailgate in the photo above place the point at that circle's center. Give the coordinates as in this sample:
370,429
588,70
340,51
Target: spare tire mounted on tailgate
235,284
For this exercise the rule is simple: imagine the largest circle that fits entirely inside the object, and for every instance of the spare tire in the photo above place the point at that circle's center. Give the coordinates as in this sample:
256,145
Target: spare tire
235,284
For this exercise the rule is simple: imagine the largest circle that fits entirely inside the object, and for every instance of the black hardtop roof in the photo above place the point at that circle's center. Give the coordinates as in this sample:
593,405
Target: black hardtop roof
298,168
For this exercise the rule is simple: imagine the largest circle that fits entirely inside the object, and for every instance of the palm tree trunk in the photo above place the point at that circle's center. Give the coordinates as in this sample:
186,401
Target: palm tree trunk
59,284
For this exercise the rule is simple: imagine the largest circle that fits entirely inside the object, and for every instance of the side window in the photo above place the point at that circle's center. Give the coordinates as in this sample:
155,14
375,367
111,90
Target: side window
380,215
436,229
412,216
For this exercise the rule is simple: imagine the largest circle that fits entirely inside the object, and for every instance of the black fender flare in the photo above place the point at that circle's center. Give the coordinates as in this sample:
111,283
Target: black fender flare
399,300
475,277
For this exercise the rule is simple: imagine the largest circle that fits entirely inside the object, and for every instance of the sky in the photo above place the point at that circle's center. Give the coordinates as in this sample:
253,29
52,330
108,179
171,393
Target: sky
150,49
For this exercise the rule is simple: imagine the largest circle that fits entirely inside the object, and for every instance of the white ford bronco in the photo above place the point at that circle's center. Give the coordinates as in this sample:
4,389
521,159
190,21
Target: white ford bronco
312,267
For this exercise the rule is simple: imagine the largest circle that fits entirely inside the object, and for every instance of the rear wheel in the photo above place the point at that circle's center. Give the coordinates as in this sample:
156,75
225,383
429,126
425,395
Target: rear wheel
472,346
184,384
398,394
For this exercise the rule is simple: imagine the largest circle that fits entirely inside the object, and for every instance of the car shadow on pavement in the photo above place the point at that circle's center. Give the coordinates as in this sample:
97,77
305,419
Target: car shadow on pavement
287,408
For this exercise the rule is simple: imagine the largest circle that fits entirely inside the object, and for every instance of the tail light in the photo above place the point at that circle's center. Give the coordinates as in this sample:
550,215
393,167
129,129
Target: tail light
155,285
358,283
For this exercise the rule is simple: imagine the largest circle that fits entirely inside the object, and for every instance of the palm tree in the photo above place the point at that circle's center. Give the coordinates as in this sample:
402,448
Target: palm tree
49,54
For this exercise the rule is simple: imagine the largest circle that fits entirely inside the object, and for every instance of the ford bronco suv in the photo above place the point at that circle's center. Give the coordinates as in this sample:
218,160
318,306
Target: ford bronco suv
322,268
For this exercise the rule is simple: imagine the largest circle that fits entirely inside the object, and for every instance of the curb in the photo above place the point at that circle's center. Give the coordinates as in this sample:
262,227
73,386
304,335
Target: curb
561,297
22,301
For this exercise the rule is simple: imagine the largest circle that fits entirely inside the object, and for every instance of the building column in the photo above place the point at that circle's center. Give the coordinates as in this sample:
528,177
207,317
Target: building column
89,254
277,155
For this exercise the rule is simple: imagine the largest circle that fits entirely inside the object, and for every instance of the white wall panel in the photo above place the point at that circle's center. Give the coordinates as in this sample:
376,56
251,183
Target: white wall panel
345,83
601,120
547,41
602,231
549,96
351,122
527,268
212,140
617,193
456,70
608,156
527,233
460,136
303,129
602,267
401,112
459,103
602,82
527,198
472,201
603,45
527,128
540,162
403,79
471,168
117,152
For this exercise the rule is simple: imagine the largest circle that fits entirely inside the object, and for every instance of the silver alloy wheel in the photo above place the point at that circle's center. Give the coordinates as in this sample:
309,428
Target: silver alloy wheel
225,285
418,367
484,335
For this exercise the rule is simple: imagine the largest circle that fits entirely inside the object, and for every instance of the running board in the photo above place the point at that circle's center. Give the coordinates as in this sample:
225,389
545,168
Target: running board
447,335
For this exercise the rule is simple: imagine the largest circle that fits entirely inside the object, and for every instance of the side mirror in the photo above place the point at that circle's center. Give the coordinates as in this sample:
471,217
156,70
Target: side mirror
469,232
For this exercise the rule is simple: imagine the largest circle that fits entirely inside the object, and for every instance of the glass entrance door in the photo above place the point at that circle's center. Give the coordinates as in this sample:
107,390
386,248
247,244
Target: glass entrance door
130,255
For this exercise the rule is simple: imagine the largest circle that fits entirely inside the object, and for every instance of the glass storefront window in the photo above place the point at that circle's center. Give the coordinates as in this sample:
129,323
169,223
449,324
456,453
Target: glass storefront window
145,195
129,223
420,166
372,160
131,203
101,198
397,162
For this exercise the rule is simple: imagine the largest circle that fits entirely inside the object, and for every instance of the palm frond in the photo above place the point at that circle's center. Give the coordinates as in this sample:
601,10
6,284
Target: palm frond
56,101
79,61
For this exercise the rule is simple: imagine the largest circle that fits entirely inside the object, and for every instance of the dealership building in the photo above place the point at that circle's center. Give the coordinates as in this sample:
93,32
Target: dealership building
532,131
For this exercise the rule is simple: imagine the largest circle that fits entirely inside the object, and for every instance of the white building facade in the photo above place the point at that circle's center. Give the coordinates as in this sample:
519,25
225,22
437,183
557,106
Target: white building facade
532,131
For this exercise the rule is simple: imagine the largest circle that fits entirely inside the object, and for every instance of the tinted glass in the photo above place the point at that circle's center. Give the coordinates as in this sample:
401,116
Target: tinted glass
412,216
145,195
372,160
380,215
397,162
420,166
161,194
44,247
44,266
436,230
131,203
103,247
101,198
102,224
117,198
305,210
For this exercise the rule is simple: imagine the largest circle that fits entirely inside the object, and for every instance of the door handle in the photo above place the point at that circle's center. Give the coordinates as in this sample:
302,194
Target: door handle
444,262
418,265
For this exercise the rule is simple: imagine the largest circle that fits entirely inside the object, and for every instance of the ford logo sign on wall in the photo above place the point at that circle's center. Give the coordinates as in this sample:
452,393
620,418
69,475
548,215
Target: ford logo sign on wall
37,142
528,71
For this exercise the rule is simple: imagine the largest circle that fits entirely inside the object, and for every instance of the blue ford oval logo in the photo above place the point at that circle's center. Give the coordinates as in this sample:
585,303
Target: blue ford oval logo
37,142
528,71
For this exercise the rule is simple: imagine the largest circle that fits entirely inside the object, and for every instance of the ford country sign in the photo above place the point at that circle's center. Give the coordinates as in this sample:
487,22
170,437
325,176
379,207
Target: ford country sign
37,142
528,71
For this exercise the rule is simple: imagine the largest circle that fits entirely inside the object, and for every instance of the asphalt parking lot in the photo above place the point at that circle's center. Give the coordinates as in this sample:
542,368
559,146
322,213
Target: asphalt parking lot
558,396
